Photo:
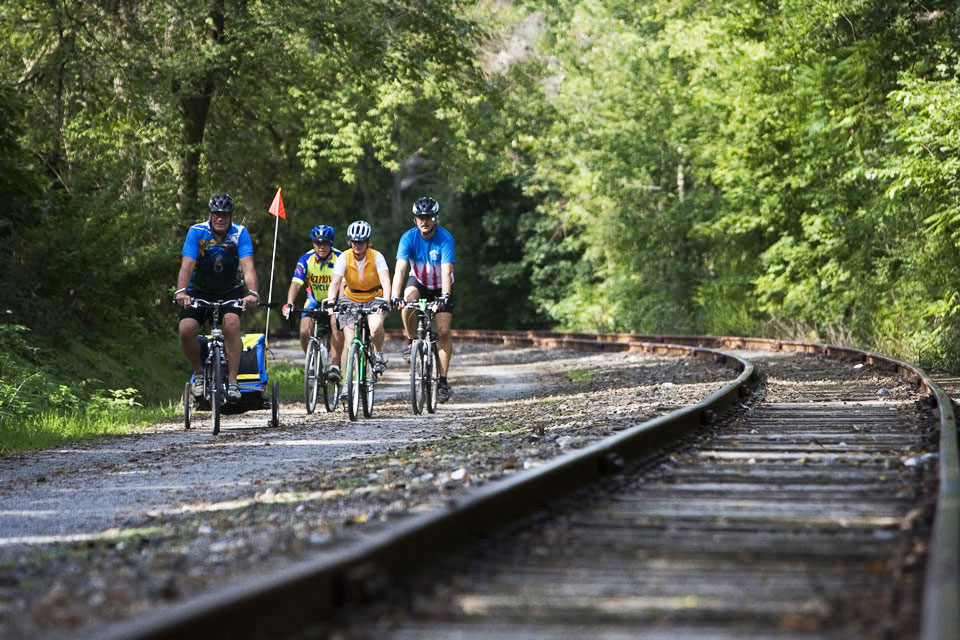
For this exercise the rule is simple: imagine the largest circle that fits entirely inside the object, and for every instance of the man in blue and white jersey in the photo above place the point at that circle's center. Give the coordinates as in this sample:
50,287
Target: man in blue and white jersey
215,254
427,250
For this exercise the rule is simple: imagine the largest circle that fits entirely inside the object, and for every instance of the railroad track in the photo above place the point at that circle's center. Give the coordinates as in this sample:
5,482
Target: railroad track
797,518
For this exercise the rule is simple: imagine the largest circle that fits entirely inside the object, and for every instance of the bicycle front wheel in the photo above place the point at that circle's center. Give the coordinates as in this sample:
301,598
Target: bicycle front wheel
431,366
355,367
187,405
217,391
312,369
417,380
369,382
331,390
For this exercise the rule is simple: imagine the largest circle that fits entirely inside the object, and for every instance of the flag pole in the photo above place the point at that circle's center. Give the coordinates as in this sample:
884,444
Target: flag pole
276,208
273,261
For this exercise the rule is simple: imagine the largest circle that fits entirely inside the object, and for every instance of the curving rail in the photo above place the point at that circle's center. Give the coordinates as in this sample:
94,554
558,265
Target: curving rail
311,591
941,605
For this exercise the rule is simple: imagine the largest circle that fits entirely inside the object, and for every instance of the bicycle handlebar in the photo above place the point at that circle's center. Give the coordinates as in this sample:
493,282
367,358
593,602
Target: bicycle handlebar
421,305
200,302
371,306
313,312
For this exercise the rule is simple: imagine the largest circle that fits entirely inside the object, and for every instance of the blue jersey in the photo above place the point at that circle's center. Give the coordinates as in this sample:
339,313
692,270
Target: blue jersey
218,263
426,256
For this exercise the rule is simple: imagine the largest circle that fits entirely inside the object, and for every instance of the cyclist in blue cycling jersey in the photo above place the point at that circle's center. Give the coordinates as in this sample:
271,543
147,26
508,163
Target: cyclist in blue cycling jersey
427,249
215,254
315,268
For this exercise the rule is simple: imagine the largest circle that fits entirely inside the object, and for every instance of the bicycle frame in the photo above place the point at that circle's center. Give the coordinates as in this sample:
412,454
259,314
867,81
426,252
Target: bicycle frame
318,360
215,366
424,358
359,354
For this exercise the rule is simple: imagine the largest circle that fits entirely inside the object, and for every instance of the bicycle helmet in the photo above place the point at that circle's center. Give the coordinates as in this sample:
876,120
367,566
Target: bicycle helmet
426,207
322,233
359,231
221,203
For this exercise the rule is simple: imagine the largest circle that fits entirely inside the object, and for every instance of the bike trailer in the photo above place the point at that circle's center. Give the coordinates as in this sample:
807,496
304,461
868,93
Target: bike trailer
252,378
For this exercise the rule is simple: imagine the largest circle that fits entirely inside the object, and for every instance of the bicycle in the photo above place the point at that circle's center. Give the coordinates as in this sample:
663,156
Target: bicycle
215,372
361,379
424,357
316,364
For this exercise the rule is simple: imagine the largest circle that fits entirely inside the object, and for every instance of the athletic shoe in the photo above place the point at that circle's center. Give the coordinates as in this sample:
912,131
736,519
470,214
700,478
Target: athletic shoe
379,363
233,393
443,392
406,351
197,386
333,375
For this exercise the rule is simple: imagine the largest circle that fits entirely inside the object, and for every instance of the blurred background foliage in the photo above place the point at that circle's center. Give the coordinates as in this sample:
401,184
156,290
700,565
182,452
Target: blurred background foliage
768,167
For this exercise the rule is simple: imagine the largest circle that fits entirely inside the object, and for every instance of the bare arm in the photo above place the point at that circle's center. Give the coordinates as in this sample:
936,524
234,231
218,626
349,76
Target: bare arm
183,280
250,278
334,291
293,291
399,275
384,280
446,277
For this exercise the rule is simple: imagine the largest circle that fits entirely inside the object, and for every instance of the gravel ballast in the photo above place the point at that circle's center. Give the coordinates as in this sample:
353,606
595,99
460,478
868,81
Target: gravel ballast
105,530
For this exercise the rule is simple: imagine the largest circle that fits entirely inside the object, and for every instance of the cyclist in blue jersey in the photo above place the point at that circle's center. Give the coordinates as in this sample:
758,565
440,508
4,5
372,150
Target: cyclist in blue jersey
427,250
315,268
216,264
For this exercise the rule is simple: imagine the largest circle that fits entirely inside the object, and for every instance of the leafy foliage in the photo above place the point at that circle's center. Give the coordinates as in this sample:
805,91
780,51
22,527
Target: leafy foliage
784,168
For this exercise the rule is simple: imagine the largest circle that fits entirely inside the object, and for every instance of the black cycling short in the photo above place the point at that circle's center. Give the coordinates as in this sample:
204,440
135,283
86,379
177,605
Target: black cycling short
431,295
203,315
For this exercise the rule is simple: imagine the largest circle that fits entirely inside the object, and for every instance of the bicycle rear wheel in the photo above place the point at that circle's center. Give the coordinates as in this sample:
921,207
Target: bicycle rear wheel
275,404
216,392
187,405
312,369
417,387
430,368
331,390
369,382
354,381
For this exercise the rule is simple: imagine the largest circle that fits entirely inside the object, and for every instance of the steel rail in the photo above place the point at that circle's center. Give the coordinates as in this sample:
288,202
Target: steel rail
940,617
309,592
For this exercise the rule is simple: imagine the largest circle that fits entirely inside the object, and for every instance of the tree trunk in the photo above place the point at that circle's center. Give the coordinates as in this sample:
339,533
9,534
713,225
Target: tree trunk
194,102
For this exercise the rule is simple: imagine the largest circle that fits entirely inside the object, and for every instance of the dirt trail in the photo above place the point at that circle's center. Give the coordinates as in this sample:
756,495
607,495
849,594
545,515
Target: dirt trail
88,490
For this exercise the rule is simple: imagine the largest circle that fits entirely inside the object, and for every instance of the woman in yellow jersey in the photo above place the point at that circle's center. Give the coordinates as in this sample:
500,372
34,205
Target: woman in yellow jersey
367,276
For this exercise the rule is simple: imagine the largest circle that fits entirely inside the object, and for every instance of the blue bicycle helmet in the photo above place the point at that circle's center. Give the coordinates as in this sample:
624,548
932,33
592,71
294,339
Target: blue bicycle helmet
221,203
322,233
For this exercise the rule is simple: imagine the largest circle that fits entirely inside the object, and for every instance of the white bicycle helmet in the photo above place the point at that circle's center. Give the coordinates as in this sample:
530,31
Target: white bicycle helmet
359,231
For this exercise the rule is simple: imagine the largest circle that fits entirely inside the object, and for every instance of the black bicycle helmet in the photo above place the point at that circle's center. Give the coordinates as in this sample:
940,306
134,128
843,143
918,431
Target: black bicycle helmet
359,231
322,233
221,203
426,207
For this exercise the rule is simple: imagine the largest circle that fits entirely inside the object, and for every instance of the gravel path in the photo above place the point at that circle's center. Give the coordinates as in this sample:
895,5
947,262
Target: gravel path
106,529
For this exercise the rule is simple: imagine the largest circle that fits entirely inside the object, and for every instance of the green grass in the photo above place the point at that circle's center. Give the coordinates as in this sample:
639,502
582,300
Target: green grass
51,427
112,413
580,375
290,377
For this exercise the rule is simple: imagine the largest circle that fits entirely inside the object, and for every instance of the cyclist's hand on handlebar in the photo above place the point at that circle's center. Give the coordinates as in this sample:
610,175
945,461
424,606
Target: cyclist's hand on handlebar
328,304
183,299
249,302
285,310
397,302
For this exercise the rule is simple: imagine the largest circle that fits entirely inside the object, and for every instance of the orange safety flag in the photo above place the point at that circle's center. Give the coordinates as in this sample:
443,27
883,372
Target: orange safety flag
277,207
